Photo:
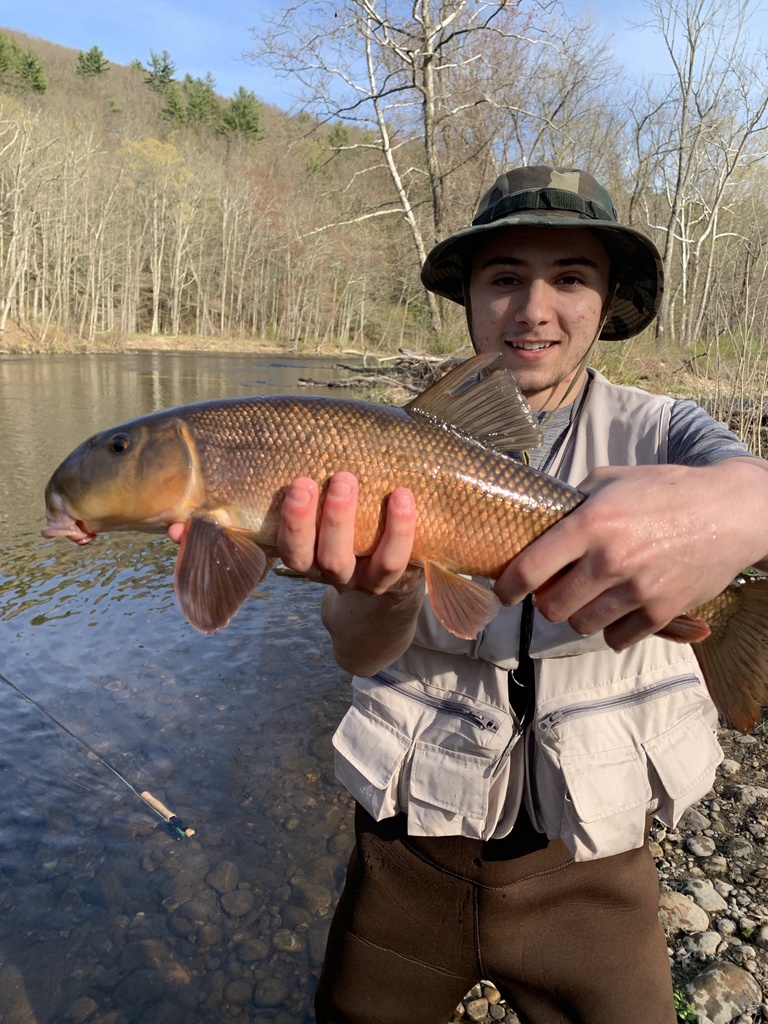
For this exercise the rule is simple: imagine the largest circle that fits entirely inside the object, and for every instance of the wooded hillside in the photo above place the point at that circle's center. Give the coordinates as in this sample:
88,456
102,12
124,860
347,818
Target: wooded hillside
135,199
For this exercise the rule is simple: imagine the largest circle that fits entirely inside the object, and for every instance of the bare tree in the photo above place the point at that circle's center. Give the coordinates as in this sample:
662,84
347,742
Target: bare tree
398,72
694,138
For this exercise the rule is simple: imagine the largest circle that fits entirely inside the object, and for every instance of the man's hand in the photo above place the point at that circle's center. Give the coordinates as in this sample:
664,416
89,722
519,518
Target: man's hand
371,614
327,554
649,543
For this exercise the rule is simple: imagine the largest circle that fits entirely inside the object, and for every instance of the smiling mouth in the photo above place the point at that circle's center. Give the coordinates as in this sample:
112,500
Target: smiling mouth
530,346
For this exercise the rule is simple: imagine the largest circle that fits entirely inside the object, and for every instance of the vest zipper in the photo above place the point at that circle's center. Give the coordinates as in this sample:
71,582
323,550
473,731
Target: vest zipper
624,700
482,720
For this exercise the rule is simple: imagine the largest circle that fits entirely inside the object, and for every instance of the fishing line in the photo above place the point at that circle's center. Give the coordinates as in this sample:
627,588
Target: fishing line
152,802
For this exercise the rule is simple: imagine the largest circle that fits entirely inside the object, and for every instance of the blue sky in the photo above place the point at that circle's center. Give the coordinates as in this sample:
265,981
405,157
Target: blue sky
207,35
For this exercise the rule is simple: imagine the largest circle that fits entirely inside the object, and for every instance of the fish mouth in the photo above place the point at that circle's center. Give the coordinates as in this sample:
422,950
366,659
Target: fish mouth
61,524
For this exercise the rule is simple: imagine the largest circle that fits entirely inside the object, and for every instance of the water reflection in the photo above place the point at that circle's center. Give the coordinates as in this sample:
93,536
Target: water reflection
105,916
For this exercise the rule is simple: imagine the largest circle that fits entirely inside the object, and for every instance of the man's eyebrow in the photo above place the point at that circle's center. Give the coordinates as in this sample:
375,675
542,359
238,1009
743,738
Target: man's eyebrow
565,261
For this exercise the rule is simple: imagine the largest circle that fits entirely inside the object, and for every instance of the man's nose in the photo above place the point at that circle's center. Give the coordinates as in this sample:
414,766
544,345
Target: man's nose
535,306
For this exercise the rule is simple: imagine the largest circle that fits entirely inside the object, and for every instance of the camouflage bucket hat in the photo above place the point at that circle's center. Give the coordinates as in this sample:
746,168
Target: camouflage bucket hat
558,197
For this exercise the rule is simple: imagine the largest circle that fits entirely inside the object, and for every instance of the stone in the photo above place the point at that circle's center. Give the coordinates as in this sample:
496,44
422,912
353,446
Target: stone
251,950
209,935
81,1010
700,846
702,943
239,992
238,903
717,864
476,1009
224,877
270,992
704,894
723,991
491,994
14,1002
287,942
694,820
679,913
138,991
739,848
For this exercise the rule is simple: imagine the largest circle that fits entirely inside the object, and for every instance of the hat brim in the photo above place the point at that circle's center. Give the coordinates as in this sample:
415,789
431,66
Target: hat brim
636,265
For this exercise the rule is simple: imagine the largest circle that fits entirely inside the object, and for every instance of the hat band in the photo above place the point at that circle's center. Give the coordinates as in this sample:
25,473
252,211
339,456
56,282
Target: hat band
544,199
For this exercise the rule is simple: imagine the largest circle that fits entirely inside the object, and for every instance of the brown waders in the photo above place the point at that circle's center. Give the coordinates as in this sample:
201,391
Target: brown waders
421,920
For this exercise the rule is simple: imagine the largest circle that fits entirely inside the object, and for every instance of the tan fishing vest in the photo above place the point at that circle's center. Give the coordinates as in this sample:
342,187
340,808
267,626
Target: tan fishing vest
615,737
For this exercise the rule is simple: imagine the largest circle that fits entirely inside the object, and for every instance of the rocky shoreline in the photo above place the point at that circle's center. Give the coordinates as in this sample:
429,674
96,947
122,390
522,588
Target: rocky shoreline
713,869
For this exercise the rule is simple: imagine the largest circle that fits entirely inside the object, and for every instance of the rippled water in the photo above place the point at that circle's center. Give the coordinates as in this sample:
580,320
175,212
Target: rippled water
105,916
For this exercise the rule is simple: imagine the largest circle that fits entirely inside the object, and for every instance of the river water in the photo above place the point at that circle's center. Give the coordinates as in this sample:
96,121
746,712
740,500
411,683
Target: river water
106,916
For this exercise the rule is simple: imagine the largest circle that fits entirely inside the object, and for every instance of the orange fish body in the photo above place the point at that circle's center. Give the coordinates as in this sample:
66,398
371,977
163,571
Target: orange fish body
477,509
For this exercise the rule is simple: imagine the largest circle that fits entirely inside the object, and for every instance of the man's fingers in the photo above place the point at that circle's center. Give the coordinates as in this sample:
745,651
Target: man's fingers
176,531
545,560
336,537
296,530
390,559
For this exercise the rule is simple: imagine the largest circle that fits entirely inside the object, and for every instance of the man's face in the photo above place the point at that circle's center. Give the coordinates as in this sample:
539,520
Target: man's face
536,294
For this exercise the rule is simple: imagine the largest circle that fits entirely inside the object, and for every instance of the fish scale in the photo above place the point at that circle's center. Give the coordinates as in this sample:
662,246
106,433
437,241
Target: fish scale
477,508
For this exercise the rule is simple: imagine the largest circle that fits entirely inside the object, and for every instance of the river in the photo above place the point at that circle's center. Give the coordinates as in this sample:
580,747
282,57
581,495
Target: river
106,915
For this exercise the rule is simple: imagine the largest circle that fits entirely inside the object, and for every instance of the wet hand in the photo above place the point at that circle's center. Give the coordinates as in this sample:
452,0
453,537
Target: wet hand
648,544
326,553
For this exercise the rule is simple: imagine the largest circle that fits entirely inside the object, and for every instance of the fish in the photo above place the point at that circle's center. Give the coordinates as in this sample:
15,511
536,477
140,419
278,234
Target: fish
221,468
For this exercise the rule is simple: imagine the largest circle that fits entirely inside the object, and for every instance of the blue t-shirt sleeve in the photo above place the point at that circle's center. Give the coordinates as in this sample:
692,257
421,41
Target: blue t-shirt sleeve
696,439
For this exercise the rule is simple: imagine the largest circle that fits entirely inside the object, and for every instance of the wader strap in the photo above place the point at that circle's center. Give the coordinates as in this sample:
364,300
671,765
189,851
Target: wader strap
522,680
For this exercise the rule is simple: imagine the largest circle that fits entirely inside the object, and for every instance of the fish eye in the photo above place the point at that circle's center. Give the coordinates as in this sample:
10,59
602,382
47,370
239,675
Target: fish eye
118,443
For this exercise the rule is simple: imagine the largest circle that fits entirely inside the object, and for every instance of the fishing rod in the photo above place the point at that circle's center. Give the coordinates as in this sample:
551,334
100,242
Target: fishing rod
178,828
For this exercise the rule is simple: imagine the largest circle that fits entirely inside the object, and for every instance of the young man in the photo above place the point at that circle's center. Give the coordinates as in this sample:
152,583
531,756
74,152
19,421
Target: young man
517,852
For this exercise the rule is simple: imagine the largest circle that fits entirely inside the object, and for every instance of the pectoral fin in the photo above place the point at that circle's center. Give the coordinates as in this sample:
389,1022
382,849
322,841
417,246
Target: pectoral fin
462,606
685,629
217,568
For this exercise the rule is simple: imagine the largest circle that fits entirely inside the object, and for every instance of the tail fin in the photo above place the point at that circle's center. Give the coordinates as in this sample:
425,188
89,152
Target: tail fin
734,658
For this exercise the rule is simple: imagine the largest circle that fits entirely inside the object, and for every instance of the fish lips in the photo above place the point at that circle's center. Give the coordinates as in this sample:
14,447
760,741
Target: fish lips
71,528
62,524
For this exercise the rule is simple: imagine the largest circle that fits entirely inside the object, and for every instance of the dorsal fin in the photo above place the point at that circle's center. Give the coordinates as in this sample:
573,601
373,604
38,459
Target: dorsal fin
485,407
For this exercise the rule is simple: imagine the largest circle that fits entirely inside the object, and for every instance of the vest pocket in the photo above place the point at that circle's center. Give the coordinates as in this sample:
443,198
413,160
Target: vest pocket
406,745
449,780
369,754
685,758
604,805
597,800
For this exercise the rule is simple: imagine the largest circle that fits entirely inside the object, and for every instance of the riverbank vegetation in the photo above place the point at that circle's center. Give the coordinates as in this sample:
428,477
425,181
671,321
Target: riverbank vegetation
137,206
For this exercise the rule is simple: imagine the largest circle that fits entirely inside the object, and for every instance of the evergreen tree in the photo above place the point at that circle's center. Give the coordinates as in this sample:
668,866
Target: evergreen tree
30,70
203,107
173,110
160,71
339,136
242,115
9,54
91,63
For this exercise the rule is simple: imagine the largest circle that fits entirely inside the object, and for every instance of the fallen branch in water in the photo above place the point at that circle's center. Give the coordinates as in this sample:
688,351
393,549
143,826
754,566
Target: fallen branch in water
408,370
